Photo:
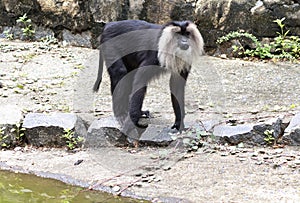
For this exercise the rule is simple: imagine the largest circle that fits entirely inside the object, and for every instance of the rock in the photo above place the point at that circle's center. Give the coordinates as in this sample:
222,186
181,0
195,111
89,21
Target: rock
81,40
292,132
105,132
164,11
10,126
214,18
72,15
116,188
41,33
233,134
48,129
252,134
109,10
217,18
156,136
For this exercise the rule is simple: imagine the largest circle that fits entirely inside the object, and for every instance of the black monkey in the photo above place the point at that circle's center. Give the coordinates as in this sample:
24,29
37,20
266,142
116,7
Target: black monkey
135,52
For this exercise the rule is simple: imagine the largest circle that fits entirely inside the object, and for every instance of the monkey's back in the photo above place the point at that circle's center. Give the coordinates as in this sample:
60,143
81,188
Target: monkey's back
114,29
133,41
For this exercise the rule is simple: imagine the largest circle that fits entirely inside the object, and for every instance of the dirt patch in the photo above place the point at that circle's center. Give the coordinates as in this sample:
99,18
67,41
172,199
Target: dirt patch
43,78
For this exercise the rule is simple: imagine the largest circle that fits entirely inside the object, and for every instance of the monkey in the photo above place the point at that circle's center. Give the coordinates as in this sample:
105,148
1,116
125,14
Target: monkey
136,52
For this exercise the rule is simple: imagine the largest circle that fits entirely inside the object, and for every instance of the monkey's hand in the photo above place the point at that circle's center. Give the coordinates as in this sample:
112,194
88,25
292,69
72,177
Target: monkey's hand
141,125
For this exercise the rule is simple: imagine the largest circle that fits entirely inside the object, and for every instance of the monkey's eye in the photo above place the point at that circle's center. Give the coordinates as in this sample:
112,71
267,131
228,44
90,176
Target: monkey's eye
187,33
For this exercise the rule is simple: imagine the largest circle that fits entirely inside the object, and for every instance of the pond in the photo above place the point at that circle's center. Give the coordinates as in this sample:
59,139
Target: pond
20,188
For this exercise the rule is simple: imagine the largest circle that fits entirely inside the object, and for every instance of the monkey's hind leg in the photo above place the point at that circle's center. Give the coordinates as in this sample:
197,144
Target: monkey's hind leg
135,106
121,87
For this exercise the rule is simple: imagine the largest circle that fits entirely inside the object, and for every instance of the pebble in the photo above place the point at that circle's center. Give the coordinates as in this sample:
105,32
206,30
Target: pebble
289,158
224,154
254,154
166,167
292,165
261,151
4,94
138,173
242,159
278,151
297,162
116,188
223,56
17,149
242,156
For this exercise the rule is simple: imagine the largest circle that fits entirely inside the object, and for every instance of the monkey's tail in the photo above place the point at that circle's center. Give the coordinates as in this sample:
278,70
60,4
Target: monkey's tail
100,71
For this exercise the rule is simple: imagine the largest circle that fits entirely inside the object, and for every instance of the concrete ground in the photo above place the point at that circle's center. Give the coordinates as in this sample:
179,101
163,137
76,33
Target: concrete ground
49,78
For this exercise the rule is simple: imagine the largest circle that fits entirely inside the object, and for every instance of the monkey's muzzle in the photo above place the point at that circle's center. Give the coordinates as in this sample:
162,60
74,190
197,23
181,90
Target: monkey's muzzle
184,46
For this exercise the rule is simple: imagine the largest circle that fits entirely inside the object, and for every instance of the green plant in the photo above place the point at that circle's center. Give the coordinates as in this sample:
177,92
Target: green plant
71,141
19,132
237,34
193,143
8,35
286,47
282,47
3,137
269,138
27,29
261,50
49,39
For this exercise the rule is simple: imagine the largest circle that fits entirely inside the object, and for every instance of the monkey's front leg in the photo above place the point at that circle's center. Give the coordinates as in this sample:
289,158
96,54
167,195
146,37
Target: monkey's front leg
177,86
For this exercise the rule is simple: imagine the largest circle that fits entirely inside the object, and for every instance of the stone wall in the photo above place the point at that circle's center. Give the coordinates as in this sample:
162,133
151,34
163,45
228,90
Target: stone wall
76,19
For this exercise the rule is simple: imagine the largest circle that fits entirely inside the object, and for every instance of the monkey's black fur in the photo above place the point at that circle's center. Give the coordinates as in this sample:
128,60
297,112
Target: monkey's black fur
131,51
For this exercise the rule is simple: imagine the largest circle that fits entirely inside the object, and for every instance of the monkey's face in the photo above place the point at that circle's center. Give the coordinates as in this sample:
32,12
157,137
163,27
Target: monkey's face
179,44
181,34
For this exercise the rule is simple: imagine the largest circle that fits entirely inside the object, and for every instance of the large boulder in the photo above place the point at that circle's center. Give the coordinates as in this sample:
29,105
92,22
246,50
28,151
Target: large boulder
70,15
58,15
55,129
214,17
292,132
217,18
10,126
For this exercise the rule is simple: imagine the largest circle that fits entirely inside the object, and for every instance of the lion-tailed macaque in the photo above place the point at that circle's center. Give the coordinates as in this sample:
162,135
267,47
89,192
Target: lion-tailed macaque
135,52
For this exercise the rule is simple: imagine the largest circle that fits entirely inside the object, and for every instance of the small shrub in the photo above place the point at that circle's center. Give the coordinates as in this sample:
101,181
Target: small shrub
8,35
72,141
3,138
194,143
19,132
27,29
49,39
269,138
283,46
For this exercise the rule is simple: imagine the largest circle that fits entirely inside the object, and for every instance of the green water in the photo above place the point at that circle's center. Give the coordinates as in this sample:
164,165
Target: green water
23,188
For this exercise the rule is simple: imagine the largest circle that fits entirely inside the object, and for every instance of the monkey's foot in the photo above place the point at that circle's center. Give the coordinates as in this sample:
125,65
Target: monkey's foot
139,125
145,114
